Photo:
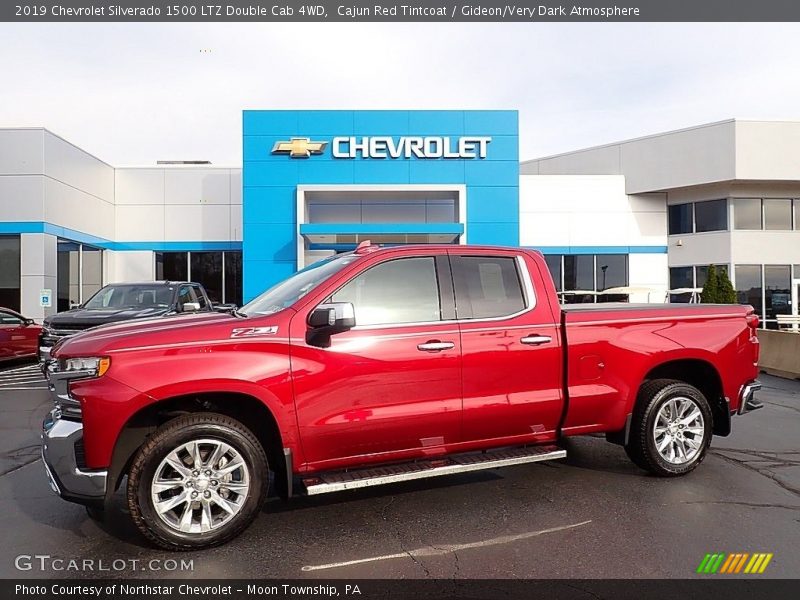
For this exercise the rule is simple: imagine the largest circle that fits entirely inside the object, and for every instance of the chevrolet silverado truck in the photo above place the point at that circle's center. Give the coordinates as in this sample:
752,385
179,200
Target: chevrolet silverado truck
378,366
123,302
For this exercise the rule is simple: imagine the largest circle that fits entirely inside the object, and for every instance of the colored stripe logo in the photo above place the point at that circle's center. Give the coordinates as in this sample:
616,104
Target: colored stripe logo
734,563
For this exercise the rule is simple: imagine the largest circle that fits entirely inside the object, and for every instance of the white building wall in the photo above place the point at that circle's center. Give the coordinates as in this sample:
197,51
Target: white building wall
130,265
648,271
570,213
37,273
588,210
178,204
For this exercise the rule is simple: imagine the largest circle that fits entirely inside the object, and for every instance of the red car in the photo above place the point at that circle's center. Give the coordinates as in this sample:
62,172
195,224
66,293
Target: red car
383,365
19,336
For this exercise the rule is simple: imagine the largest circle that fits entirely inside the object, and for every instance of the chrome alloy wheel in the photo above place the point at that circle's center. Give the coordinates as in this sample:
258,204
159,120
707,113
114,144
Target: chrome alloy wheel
200,486
679,431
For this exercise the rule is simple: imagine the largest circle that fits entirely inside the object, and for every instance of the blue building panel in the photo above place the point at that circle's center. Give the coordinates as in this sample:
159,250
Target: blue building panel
487,204
270,205
380,122
443,122
270,180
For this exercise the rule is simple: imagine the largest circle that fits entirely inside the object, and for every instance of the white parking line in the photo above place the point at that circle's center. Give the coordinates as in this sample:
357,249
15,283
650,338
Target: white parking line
444,549
30,368
31,376
24,389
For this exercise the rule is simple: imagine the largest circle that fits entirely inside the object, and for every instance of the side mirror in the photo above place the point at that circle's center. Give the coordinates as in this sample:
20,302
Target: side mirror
328,319
27,322
190,307
73,304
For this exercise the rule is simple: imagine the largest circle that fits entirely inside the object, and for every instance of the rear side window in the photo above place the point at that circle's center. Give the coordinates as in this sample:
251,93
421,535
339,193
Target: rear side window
487,286
397,291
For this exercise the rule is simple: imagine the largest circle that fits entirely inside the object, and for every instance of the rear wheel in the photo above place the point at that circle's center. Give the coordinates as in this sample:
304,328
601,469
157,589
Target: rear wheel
197,482
670,429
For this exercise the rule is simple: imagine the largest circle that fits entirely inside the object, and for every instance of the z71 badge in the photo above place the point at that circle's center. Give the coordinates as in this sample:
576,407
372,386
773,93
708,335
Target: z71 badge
253,331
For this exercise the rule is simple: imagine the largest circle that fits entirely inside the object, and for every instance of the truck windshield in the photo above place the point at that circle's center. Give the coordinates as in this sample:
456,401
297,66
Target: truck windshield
289,291
131,296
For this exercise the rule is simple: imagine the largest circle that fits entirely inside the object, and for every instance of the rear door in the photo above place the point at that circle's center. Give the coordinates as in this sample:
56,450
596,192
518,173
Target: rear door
511,349
390,388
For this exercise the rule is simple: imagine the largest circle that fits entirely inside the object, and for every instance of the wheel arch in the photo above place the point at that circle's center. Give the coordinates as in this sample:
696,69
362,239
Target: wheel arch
248,410
704,376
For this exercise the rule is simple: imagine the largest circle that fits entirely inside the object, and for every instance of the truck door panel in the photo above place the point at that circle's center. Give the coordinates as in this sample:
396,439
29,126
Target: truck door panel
512,356
393,383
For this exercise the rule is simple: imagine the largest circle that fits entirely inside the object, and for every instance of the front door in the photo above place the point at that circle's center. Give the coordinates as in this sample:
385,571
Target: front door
391,387
511,348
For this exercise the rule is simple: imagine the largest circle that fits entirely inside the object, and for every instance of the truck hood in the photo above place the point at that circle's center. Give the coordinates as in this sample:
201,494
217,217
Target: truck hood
81,318
178,329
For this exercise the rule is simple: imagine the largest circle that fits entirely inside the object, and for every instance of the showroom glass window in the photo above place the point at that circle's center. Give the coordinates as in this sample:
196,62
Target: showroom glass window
220,273
777,293
711,215
79,273
701,273
747,213
554,266
680,218
206,269
9,272
777,214
394,292
748,286
172,266
590,273
681,277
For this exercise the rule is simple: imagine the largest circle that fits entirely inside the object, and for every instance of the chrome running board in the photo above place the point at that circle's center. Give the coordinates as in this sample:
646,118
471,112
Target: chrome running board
338,481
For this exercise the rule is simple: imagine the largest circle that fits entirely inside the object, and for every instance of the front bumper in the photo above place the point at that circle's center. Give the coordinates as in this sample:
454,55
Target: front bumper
61,440
747,400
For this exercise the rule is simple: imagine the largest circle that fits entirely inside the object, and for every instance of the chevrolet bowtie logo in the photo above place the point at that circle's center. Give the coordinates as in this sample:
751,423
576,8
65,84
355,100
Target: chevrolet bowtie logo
299,147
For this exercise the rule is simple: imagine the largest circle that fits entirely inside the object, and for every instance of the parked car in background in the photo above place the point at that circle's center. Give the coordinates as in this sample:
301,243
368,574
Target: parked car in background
124,302
18,335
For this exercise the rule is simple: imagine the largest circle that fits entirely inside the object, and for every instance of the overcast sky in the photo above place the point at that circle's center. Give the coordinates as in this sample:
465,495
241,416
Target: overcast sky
132,94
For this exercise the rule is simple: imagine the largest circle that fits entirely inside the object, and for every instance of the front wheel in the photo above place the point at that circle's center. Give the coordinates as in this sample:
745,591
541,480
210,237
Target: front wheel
670,429
197,482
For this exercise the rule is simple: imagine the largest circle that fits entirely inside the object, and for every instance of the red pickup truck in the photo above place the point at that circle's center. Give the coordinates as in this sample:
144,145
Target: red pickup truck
376,366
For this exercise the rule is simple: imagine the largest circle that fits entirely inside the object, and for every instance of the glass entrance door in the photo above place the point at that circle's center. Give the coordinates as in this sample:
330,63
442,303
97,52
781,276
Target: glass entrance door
795,301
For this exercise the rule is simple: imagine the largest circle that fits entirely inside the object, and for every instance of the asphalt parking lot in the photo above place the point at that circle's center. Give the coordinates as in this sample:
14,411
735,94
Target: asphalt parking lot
591,515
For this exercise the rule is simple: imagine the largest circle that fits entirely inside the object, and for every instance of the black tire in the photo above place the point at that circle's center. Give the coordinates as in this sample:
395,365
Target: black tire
641,447
172,435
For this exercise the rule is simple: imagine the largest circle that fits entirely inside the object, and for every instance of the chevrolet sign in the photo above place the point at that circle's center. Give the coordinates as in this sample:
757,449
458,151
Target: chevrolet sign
408,147
388,147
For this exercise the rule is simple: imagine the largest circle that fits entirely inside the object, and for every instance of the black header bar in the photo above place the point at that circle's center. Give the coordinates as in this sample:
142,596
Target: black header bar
399,11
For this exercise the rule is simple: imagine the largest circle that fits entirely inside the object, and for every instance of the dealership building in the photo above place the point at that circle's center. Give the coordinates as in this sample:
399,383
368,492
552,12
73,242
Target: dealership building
648,214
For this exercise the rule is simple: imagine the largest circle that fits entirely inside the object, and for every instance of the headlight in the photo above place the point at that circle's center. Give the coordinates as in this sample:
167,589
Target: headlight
93,367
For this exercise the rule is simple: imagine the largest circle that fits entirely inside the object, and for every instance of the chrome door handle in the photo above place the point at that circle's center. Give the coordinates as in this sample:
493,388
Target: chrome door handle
535,340
435,346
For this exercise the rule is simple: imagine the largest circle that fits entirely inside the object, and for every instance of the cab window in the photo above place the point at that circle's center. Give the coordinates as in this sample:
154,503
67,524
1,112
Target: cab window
186,294
487,287
398,291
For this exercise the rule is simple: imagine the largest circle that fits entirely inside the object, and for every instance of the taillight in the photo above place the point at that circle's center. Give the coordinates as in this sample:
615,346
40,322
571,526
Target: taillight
752,323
